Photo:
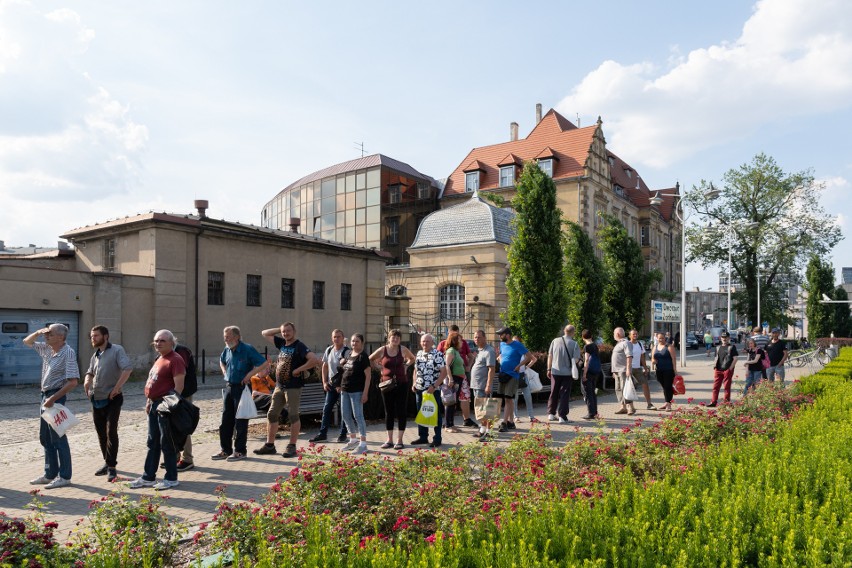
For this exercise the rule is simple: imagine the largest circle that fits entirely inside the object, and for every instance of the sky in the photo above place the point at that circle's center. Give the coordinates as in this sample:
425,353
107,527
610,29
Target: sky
109,109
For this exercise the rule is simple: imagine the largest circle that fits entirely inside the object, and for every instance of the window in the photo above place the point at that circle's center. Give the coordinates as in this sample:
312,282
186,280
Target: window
452,301
645,239
393,230
471,181
288,293
346,297
546,166
109,254
215,288
394,193
507,176
253,286
319,295
619,190
13,327
397,291
423,190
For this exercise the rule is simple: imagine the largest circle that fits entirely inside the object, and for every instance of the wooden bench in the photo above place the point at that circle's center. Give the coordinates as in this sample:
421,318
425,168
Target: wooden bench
312,402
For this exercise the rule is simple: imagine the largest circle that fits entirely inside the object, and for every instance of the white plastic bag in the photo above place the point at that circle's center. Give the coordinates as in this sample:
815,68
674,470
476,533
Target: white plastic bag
533,381
60,418
246,409
629,390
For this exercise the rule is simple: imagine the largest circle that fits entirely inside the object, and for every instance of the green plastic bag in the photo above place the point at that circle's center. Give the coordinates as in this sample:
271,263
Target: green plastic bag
428,413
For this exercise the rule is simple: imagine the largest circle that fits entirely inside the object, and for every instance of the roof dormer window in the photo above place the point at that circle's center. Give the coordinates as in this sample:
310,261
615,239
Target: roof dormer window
546,165
629,172
507,176
471,181
619,190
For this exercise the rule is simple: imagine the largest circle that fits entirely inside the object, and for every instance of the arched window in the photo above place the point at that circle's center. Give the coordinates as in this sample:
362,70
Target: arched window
397,291
452,301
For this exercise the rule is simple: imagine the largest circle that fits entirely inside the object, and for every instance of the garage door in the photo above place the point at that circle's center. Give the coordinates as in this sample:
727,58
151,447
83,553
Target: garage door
20,364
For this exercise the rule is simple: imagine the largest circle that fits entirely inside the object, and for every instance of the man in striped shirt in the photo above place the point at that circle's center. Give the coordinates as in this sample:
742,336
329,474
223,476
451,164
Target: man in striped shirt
59,375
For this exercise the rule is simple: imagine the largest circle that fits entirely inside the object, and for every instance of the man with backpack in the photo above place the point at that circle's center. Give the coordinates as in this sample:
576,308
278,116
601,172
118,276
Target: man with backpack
190,386
331,372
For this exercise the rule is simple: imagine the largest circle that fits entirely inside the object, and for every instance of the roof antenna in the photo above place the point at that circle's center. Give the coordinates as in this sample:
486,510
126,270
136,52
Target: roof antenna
360,146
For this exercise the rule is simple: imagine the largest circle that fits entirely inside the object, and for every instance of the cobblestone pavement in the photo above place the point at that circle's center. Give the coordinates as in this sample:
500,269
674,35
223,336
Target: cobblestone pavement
194,501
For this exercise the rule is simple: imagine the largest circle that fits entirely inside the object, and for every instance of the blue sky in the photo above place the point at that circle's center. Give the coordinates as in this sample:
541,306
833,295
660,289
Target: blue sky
111,109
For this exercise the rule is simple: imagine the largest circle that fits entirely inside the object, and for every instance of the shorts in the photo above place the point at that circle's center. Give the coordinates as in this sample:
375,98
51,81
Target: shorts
508,389
479,393
639,377
464,391
292,398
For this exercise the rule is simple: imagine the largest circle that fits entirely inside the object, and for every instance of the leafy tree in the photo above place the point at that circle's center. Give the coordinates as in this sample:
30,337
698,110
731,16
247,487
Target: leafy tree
535,281
820,280
584,279
625,292
767,218
842,318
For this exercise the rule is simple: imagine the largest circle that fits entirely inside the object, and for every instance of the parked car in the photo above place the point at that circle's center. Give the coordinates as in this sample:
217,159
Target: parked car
691,342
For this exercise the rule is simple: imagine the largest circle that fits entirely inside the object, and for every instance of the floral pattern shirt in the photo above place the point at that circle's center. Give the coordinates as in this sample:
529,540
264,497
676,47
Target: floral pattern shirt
428,365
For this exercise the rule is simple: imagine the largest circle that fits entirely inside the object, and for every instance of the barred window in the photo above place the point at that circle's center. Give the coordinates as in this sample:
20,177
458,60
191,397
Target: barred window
109,254
253,288
288,293
215,288
346,297
319,295
452,301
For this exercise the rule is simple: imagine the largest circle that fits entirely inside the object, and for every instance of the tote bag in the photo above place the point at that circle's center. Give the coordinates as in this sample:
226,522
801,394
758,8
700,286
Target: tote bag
534,381
428,414
60,418
486,408
246,409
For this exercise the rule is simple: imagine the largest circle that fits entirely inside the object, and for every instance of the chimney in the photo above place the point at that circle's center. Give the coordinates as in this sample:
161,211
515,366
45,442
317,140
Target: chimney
537,113
62,245
513,132
294,224
202,205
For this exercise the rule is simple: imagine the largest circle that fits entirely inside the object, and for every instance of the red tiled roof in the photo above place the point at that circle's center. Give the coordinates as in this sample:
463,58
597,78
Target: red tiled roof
511,159
568,144
546,153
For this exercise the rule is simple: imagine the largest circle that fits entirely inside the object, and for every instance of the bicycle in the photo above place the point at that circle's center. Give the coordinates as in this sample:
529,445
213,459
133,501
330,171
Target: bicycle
801,357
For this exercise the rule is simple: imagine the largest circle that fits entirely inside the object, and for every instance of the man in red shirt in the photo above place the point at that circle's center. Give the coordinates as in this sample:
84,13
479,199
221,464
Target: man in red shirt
166,375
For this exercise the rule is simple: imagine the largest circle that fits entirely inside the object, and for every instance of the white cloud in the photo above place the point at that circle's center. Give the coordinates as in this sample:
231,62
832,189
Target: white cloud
793,58
68,138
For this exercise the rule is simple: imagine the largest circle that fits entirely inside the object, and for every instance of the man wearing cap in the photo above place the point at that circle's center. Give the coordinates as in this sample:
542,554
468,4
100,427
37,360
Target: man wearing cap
513,355
723,368
777,351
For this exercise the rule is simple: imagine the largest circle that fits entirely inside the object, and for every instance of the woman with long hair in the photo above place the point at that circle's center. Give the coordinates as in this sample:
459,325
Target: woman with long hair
392,361
354,389
455,377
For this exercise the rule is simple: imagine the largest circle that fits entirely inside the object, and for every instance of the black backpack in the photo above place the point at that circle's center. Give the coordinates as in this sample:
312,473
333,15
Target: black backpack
190,380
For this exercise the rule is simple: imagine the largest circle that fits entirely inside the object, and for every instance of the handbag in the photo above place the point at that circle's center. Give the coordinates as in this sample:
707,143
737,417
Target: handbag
388,385
534,381
678,385
575,372
486,408
427,415
629,391
60,418
522,380
246,408
448,395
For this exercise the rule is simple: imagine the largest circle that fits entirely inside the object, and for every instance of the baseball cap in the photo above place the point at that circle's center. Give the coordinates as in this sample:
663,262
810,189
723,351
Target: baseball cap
776,330
504,331
725,334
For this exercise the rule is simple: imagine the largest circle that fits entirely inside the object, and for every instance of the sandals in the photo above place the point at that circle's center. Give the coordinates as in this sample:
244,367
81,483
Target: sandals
386,445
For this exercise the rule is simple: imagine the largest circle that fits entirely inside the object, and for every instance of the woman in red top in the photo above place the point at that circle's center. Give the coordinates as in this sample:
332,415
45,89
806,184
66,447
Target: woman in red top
392,360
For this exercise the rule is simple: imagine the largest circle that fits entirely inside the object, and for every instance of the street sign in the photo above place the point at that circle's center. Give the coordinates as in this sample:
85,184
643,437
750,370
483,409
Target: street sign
665,311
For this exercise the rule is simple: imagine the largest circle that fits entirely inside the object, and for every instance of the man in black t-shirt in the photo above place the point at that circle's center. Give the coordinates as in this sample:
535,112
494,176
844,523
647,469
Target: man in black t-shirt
723,368
777,351
294,358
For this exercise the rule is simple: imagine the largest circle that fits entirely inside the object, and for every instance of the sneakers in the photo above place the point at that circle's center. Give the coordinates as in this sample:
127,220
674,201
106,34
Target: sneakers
112,475
468,422
236,456
551,418
564,420
342,439
588,417
220,456
58,482
419,442
103,470
621,410
351,445
184,466
435,445
360,450
651,406
40,480
141,482
319,438
453,430
166,484
511,426
290,451
711,405
265,449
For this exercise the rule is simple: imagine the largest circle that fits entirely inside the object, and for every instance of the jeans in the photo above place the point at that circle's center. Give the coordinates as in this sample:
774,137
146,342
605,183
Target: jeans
560,394
353,412
159,440
589,386
331,398
778,371
423,431
228,440
752,378
57,452
106,425
527,399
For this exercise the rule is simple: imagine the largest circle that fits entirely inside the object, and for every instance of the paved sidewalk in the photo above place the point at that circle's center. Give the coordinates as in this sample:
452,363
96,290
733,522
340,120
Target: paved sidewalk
194,501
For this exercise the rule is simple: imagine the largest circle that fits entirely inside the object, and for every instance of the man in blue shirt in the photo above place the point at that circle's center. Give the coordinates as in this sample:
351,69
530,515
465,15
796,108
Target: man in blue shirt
239,363
513,356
